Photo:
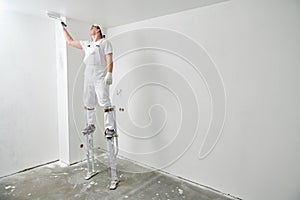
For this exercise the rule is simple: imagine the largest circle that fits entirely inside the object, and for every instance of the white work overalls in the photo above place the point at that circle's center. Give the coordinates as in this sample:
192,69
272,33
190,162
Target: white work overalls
94,85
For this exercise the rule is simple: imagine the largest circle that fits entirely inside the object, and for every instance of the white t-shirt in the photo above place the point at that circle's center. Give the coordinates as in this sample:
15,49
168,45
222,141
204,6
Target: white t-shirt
95,52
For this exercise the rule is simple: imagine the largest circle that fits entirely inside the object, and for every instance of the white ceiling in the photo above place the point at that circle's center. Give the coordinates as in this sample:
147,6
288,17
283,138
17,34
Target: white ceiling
108,13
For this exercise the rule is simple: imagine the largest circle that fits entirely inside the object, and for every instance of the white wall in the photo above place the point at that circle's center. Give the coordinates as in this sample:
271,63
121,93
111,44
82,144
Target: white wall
179,76
28,103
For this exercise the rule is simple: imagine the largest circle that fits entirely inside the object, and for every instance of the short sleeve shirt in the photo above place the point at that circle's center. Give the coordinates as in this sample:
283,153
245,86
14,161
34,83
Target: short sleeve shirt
95,52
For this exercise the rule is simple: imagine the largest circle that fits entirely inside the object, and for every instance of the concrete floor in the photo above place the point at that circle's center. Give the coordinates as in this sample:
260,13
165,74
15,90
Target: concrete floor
60,182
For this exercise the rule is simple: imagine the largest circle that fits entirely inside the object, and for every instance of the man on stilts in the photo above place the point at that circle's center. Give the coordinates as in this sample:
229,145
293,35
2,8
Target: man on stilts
97,78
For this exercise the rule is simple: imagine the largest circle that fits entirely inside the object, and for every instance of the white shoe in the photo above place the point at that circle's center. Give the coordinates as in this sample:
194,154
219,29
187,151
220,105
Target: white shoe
88,129
113,184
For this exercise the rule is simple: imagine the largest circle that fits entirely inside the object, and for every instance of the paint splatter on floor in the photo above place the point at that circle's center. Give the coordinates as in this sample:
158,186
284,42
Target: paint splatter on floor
58,181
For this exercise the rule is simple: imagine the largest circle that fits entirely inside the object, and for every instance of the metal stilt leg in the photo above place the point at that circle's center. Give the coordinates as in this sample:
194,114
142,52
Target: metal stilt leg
111,145
112,148
90,157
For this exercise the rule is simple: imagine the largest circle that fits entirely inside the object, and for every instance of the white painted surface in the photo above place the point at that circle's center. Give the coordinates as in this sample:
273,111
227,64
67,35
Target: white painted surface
28,106
62,93
106,13
254,45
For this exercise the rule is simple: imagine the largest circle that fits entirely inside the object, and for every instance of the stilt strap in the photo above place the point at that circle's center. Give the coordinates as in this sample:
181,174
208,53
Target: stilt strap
87,108
108,109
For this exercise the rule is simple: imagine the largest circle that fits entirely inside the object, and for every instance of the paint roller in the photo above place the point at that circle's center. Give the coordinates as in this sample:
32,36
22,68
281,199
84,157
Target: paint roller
56,16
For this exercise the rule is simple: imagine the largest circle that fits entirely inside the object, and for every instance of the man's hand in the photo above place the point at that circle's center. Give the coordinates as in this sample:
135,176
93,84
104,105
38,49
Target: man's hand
108,78
63,24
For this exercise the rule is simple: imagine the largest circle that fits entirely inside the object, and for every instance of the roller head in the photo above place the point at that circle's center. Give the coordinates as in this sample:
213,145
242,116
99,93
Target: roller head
56,16
53,15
